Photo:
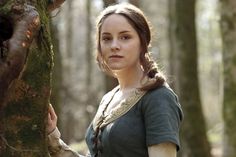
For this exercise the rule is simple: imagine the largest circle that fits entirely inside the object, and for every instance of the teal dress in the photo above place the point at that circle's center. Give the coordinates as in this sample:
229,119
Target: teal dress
155,118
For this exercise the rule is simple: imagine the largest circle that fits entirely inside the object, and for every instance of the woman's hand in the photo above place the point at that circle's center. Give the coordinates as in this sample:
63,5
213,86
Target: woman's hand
52,119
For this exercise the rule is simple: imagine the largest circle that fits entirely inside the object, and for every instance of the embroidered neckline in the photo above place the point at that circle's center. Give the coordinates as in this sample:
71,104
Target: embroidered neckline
100,120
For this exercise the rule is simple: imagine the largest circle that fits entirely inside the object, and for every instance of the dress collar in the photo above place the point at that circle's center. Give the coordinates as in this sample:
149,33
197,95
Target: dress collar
101,120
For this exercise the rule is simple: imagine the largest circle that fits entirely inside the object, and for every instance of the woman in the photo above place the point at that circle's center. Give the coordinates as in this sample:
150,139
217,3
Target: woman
141,116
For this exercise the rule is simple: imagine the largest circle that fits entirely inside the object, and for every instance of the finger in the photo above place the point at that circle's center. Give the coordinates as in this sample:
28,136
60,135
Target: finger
49,118
52,112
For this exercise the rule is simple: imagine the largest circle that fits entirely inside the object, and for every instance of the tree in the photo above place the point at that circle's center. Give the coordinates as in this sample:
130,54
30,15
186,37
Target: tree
57,73
228,32
172,42
25,74
106,3
68,132
89,60
184,52
135,2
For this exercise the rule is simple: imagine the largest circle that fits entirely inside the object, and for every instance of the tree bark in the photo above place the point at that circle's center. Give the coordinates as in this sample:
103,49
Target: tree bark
173,64
68,132
89,58
57,73
172,44
106,3
194,127
228,32
54,4
25,77
69,31
135,2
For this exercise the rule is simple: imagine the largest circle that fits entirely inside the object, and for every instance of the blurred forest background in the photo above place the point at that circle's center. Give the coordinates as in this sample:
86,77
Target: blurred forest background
196,74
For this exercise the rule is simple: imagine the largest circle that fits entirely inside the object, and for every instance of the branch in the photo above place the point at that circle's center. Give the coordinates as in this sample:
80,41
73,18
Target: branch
26,24
54,4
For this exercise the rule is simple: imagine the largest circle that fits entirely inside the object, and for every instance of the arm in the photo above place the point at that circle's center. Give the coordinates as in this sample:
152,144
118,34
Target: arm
162,116
162,150
56,147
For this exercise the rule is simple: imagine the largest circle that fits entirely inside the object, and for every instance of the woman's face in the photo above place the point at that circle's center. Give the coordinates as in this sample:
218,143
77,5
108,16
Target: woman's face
120,43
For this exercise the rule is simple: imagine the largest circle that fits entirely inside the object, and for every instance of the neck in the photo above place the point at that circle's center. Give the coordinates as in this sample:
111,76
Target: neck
130,79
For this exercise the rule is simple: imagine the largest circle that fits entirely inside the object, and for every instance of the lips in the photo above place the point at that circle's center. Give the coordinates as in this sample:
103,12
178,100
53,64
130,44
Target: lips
116,56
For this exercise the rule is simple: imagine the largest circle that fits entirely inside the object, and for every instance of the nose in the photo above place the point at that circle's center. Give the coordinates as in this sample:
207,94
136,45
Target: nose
115,45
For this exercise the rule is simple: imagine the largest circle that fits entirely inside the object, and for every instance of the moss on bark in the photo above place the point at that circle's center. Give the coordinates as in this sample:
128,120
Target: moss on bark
25,110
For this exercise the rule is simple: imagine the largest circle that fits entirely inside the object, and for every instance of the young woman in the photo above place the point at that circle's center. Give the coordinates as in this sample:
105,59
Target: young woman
141,116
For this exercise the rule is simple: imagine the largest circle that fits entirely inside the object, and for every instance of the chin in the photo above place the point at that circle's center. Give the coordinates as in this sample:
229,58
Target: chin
115,67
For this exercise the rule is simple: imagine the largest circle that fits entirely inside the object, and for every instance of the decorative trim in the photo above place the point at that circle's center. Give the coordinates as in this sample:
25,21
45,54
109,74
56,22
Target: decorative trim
122,108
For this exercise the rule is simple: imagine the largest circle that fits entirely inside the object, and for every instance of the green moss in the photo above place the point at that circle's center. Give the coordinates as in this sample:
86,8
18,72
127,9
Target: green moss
26,122
25,113
6,8
39,68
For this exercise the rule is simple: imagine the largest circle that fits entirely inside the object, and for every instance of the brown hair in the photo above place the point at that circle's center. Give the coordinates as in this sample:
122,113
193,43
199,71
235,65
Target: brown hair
139,22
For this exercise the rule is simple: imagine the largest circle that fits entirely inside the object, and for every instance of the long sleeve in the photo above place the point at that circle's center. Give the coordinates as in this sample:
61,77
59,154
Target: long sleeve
57,148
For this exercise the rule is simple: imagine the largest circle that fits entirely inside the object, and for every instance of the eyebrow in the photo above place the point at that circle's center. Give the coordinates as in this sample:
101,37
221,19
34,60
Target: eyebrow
107,33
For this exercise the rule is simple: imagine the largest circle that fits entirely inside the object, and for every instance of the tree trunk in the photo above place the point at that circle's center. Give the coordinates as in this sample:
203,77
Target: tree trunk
25,77
66,131
106,3
89,63
172,44
89,57
135,2
228,31
173,64
69,30
57,73
194,127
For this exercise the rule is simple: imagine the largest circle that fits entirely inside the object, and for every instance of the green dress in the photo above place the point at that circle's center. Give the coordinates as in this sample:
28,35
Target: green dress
148,118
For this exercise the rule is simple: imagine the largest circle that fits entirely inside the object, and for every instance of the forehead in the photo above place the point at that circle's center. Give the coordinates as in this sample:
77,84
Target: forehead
116,22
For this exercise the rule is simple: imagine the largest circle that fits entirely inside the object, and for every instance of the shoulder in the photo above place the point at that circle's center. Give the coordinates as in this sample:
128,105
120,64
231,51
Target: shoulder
163,93
162,116
162,100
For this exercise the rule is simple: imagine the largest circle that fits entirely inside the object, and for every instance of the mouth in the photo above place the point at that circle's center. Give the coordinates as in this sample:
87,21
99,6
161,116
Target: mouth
116,56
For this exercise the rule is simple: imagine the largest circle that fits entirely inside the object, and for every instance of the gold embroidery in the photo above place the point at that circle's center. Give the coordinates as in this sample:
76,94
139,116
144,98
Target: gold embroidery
99,117
100,120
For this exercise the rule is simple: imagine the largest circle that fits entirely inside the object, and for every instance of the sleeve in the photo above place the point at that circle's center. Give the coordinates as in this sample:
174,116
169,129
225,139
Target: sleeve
162,117
57,148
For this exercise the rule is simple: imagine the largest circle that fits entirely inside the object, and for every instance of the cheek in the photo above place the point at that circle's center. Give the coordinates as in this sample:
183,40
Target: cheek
104,52
103,47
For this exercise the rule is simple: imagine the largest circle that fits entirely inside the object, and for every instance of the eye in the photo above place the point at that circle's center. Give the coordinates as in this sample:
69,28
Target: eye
125,37
106,38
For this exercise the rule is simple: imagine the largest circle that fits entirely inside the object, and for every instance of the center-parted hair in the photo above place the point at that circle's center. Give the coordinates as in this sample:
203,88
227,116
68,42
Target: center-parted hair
139,22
